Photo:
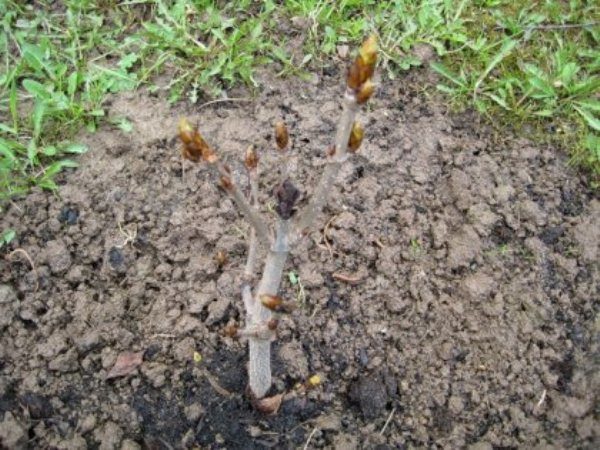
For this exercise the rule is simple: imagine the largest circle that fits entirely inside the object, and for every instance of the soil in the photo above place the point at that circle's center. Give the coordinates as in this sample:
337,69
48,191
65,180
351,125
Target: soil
450,302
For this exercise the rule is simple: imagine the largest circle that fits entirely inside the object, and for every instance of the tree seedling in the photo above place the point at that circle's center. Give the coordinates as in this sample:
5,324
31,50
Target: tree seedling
263,304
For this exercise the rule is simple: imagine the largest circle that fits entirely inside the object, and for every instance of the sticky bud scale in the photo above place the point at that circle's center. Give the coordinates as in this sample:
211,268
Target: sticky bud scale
251,158
356,137
282,137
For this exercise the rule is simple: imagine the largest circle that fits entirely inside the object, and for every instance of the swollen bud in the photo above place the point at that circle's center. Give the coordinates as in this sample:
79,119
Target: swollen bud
272,302
221,258
356,137
194,145
230,331
368,50
287,195
281,135
365,92
251,158
276,304
363,66
226,183
186,131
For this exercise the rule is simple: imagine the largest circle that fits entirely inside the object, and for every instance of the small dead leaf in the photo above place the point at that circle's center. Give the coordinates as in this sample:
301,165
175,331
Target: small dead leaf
197,358
268,405
126,363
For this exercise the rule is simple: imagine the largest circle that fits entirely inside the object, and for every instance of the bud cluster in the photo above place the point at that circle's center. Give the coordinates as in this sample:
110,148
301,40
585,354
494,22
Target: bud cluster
195,147
361,71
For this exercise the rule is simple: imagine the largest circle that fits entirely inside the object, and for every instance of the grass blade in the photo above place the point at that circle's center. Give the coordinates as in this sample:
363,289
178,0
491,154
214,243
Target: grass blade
506,49
592,121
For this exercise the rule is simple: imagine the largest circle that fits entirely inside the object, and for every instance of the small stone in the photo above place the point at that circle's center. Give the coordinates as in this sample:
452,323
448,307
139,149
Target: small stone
87,424
12,434
463,247
293,357
58,257
477,286
155,372
38,406
217,310
109,436
328,422
193,412
68,215
8,305
345,441
7,294
128,444
88,342
184,349
456,404
482,445
439,231
116,259
198,300
370,394
75,275
531,212
52,346
66,362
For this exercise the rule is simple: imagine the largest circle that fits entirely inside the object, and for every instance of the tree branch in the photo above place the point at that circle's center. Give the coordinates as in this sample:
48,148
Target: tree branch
308,214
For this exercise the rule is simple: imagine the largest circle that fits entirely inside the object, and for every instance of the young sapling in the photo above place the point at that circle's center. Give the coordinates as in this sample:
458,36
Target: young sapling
263,304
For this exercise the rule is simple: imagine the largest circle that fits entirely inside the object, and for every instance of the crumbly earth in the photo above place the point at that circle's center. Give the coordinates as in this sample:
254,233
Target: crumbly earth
449,292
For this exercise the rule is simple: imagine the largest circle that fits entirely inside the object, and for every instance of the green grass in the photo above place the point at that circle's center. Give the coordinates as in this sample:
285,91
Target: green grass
531,63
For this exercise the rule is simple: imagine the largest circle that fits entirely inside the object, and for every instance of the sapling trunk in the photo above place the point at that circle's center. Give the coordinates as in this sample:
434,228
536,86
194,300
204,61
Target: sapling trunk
263,306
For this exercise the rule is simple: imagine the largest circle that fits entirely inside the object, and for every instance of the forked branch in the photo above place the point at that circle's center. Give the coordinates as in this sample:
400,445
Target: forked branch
264,303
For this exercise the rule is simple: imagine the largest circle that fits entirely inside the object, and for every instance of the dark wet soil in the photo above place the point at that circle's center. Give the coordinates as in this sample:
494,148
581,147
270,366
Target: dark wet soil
472,320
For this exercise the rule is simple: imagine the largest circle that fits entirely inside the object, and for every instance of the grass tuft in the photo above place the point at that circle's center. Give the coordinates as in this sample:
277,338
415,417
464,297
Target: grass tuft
532,65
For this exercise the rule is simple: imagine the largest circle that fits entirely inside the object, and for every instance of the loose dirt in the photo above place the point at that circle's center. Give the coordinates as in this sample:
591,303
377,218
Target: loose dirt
451,301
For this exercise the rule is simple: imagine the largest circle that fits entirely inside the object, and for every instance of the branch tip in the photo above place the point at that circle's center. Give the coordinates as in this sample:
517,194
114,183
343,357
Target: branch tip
363,66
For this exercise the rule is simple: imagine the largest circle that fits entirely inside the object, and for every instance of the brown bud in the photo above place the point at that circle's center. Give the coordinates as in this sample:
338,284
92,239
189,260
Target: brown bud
226,183
356,137
354,77
272,324
281,135
186,131
221,258
330,151
365,92
363,66
276,304
194,145
368,50
230,331
188,154
272,302
251,159
287,195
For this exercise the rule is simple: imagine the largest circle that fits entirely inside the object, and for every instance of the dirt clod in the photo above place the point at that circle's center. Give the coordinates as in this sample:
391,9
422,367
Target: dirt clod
370,394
